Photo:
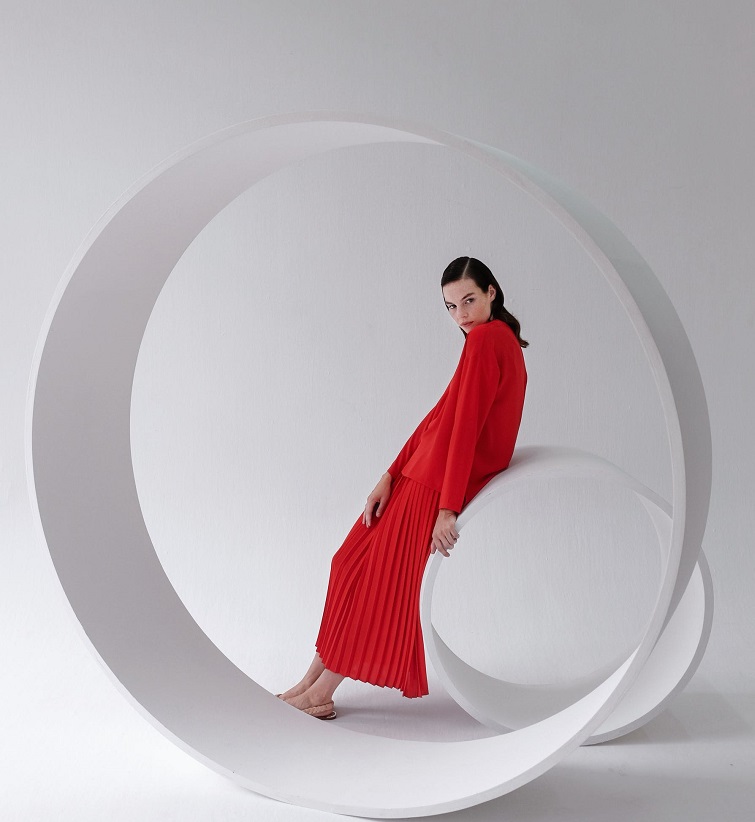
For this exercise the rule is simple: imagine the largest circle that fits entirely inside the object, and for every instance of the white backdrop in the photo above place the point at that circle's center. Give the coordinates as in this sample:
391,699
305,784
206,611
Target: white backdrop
303,334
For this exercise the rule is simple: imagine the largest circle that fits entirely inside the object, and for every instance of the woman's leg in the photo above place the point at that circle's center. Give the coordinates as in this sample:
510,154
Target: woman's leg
315,669
371,629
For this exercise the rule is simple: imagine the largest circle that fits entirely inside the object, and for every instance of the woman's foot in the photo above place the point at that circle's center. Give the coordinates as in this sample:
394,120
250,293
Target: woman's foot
307,700
318,695
314,706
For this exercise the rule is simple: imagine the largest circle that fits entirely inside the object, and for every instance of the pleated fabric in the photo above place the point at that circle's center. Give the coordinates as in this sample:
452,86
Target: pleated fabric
370,628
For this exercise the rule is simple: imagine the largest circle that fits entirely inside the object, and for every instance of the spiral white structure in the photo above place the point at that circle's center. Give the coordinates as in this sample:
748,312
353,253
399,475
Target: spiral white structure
83,489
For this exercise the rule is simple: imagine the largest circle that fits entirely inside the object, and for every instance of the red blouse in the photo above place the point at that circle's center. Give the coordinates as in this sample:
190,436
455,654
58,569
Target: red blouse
468,436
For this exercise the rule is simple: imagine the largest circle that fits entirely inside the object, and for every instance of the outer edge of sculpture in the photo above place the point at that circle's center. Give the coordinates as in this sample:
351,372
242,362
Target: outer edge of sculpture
84,495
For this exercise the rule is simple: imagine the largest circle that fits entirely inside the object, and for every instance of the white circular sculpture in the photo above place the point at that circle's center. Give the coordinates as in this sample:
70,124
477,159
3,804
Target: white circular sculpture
83,489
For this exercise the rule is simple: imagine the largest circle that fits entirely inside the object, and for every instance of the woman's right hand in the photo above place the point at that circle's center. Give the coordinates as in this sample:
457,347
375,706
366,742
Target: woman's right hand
379,496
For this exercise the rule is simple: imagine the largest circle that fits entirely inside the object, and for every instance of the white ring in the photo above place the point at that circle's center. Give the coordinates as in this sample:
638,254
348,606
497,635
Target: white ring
83,489
505,706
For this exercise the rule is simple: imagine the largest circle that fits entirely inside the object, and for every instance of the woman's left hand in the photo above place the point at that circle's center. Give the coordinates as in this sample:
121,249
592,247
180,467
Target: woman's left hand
445,533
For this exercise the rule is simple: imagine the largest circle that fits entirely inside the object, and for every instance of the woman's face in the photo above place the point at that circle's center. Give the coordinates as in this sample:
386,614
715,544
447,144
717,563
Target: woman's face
467,304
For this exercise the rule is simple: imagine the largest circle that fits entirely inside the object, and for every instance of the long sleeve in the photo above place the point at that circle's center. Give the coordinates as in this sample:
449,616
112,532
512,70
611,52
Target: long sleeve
410,446
480,378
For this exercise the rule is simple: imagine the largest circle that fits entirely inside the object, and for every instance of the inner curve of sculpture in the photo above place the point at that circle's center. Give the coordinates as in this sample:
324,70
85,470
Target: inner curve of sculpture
83,489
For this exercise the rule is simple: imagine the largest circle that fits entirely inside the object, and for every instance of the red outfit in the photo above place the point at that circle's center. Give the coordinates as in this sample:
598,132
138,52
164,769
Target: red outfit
370,628
468,436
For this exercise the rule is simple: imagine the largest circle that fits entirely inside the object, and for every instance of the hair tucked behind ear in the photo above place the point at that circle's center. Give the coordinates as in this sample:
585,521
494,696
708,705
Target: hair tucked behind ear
483,277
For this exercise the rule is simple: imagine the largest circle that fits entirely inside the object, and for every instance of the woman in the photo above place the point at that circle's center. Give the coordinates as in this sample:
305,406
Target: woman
370,628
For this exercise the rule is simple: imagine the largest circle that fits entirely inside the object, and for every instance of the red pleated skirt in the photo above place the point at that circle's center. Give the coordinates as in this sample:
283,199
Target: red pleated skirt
370,626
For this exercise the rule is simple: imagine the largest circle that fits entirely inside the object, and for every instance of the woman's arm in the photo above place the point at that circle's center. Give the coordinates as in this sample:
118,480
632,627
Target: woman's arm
480,378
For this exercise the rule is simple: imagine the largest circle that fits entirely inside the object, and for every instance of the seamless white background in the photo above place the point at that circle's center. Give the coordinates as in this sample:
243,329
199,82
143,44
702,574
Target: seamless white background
302,336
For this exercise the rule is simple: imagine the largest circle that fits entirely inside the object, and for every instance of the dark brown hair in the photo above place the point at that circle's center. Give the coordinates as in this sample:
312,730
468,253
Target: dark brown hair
471,268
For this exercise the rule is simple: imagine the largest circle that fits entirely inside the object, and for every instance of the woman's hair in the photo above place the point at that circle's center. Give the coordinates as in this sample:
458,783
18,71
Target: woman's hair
473,269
